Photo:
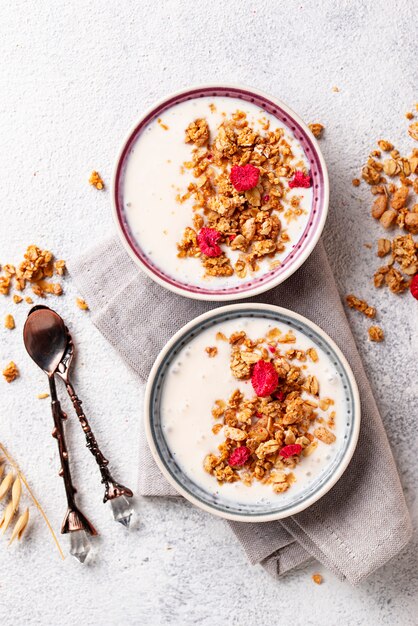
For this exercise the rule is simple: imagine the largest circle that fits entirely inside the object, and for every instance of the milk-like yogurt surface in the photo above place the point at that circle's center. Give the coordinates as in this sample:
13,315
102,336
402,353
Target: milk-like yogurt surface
153,176
194,382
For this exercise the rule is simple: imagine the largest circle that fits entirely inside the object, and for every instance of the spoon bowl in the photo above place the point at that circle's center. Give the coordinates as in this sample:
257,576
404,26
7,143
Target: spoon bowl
45,338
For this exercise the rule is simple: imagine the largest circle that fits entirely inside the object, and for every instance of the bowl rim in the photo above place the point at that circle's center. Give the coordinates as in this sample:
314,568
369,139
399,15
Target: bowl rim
319,493
251,291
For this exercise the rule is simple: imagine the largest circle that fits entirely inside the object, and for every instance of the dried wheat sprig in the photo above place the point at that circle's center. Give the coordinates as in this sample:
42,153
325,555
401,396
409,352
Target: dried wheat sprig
16,493
20,526
13,463
6,483
7,517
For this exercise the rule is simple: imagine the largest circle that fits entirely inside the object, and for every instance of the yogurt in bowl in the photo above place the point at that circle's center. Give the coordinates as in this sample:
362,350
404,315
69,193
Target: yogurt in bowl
252,412
220,193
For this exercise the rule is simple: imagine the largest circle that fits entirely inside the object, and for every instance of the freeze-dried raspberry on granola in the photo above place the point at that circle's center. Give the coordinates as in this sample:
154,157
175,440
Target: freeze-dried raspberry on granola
242,180
266,435
208,242
300,179
244,177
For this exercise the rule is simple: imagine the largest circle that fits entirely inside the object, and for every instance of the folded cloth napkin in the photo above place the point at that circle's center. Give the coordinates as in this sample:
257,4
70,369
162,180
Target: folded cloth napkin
357,526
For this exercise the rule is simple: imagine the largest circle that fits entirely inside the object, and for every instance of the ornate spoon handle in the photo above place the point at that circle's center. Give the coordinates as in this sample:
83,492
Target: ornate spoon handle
112,488
74,518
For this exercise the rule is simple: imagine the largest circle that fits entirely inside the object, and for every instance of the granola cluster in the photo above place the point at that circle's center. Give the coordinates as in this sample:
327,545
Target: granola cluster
360,305
37,266
241,185
11,372
96,180
266,437
394,183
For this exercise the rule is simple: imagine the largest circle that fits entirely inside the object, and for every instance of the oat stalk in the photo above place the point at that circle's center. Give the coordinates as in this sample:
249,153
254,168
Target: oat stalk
19,473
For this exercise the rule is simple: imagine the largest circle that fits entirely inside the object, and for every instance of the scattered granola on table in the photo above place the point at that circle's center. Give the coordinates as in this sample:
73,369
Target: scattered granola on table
82,304
96,180
11,372
270,433
317,130
244,179
9,322
317,578
376,333
393,181
360,305
36,267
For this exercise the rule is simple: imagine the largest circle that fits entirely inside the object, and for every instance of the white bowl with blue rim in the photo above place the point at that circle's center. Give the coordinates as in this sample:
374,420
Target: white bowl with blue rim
212,499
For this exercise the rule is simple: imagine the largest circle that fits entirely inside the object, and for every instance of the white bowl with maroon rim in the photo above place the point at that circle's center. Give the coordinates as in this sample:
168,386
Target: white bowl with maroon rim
147,179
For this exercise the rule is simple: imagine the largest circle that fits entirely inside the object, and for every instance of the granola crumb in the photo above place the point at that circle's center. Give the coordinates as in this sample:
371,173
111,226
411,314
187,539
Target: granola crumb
335,89
11,372
384,145
409,115
324,435
383,247
161,123
28,300
9,322
197,132
82,304
59,267
360,305
96,180
316,129
211,351
355,182
17,299
42,396
413,130
317,578
376,334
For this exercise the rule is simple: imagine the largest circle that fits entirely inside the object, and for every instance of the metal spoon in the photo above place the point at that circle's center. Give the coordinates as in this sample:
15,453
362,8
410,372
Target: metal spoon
45,339
115,492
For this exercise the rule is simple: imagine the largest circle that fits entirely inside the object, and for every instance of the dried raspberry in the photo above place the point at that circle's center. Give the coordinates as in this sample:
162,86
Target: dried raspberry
208,239
266,198
259,415
300,180
232,237
264,378
280,395
239,456
291,450
413,287
244,177
272,349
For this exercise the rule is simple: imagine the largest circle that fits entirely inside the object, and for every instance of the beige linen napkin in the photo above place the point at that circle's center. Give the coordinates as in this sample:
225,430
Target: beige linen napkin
356,527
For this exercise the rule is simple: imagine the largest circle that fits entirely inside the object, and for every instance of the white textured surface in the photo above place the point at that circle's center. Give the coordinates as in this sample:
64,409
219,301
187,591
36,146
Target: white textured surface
74,76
